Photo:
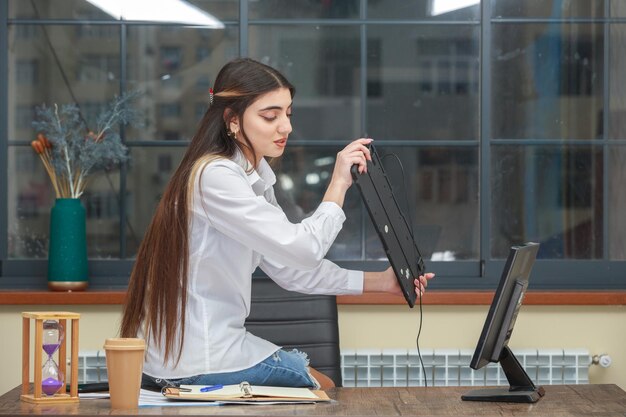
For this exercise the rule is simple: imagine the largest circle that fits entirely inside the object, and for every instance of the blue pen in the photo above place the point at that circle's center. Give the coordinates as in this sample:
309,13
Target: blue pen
211,388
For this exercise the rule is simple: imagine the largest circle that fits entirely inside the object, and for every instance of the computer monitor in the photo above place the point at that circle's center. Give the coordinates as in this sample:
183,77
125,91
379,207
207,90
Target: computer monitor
494,339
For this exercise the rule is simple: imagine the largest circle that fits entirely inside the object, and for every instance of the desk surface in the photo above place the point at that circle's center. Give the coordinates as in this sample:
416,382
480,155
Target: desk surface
559,401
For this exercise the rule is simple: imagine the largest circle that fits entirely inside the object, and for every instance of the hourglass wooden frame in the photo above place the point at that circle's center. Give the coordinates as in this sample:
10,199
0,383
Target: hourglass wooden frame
38,396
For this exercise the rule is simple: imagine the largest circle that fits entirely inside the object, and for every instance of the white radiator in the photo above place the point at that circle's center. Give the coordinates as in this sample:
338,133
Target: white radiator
401,368
450,367
92,366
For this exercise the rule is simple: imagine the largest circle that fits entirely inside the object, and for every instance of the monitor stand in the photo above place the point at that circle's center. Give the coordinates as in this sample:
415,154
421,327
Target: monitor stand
521,390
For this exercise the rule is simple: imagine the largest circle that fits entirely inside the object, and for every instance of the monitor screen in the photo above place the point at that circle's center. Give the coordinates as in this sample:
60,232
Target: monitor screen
493,342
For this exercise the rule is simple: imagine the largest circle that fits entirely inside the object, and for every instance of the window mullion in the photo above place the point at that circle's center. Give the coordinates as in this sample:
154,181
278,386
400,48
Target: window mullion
485,131
4,131
605,132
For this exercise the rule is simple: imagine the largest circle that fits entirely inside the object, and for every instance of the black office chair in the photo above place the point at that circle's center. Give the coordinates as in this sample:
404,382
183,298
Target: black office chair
294,320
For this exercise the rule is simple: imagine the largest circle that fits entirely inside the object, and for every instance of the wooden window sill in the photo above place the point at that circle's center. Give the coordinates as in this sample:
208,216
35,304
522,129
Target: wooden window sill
473,297
112,297
36,297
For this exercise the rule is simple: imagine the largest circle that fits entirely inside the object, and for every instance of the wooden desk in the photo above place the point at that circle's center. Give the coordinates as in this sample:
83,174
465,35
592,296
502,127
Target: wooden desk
560,401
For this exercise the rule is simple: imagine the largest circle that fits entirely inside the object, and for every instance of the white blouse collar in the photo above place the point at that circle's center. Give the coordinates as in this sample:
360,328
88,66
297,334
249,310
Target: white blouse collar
263,172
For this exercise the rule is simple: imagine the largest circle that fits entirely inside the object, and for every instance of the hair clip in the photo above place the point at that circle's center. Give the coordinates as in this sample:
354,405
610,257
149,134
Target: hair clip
210,96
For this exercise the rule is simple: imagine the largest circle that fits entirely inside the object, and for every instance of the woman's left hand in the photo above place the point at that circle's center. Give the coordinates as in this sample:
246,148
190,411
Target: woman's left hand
422,282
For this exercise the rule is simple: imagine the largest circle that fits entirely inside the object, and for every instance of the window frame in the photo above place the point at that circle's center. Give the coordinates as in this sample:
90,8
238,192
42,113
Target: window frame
602,274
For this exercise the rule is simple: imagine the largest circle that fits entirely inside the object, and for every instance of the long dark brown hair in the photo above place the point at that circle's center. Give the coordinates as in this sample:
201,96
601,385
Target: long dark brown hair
157,290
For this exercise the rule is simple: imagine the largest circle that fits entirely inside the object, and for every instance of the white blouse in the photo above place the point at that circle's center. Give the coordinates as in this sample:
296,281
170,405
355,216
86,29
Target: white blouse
236,226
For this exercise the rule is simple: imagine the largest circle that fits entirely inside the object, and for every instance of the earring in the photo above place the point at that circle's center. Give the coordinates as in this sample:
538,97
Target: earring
210,96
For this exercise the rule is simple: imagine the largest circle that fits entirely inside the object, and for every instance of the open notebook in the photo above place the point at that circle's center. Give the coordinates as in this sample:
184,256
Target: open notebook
245,392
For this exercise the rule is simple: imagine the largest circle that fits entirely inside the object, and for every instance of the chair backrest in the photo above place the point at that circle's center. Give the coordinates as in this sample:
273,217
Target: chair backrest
294,320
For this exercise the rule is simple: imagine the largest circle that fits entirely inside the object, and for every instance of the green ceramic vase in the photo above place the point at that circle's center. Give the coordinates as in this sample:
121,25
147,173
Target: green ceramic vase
67,253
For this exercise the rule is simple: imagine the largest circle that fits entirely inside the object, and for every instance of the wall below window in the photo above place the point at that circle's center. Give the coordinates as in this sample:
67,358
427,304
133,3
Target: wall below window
600,329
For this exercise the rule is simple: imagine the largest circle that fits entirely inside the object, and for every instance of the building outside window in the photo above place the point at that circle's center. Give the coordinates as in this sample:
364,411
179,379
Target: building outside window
27,72
98,68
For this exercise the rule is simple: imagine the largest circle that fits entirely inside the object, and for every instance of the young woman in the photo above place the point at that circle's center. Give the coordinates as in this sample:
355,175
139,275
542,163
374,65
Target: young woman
189,291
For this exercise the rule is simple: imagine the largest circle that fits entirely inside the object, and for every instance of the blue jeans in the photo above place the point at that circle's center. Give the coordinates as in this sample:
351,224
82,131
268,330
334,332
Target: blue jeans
281,369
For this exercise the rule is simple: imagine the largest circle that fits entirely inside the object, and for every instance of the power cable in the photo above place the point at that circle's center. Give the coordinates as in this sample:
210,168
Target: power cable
418,257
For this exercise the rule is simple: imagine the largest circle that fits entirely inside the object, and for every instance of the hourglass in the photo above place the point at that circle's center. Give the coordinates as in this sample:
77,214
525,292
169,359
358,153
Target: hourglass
49,379
51,376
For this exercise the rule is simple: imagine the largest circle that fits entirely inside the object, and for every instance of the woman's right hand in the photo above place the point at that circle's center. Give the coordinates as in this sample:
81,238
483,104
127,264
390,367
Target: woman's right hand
355,153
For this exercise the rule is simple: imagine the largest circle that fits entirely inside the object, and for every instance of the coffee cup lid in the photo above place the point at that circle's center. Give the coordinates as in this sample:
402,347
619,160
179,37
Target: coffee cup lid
125,343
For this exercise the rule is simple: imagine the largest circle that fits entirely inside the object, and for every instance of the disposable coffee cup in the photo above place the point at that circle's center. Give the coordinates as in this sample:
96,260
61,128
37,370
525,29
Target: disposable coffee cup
124,367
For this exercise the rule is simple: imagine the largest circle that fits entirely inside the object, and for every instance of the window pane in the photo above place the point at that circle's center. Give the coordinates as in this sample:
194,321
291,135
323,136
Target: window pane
442,192
547,81
174,67
149,172
617,202
555,9
221,9
423,82
302,175
618,8
447,184
547,194
36,77
56,9
424,9
303,9
31,197
82,9
323,64
102,207
617,95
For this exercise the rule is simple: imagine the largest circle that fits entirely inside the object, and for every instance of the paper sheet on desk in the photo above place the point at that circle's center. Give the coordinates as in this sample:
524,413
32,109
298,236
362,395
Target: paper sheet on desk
156,399
93,395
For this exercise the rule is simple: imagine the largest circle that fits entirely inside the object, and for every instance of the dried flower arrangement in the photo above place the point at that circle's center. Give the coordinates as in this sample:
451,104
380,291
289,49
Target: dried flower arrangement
70,151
